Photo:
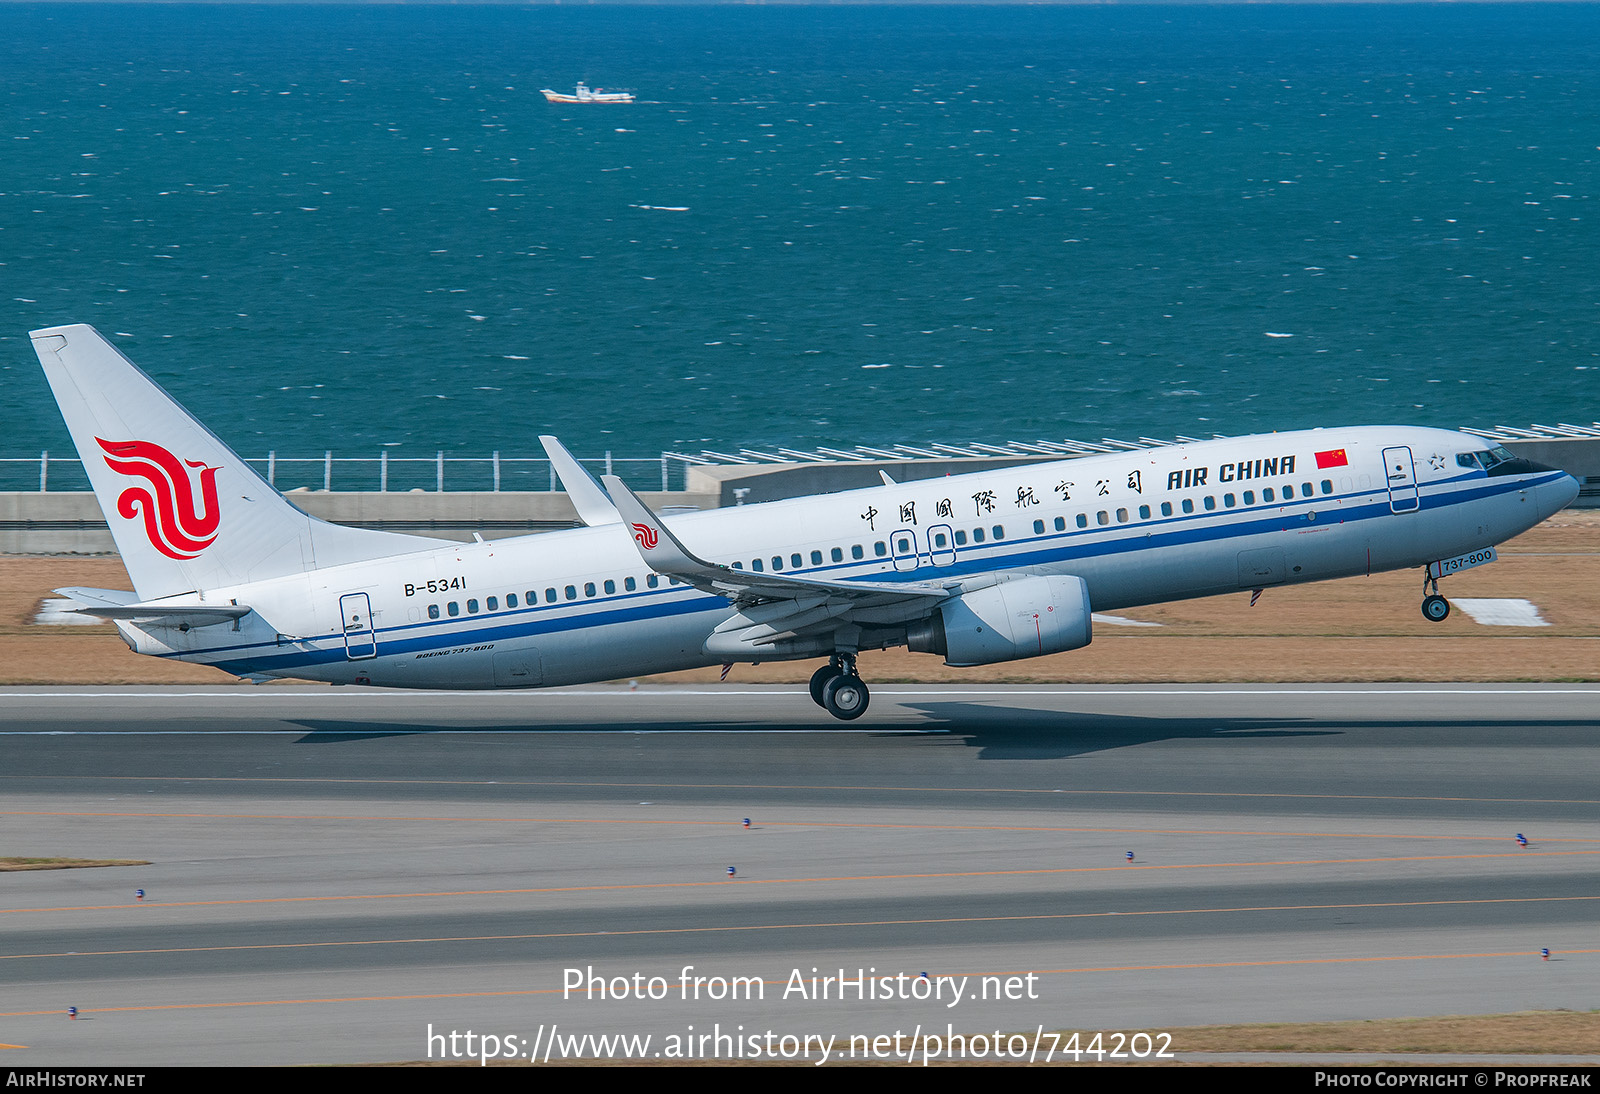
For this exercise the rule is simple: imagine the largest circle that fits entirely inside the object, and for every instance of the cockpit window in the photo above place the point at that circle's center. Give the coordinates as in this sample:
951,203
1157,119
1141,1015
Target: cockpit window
1494,457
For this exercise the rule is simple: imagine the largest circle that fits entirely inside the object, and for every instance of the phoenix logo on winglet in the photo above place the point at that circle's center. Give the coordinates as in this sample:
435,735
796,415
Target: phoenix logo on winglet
173,522
646,536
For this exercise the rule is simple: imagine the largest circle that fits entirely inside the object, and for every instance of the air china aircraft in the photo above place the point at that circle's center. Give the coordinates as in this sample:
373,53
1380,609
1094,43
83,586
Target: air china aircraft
980,568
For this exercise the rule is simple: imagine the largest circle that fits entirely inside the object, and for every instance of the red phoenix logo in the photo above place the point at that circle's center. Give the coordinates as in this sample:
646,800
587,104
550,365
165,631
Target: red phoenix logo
646,536
172,521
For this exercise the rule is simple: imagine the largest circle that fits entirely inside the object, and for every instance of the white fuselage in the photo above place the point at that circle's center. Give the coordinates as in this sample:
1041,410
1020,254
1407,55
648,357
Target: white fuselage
1140,527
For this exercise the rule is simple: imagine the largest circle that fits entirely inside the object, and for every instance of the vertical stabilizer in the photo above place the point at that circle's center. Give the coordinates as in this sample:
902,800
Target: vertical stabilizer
187,514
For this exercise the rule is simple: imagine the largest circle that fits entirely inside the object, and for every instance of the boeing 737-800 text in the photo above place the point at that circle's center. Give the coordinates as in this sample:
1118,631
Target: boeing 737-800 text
978,568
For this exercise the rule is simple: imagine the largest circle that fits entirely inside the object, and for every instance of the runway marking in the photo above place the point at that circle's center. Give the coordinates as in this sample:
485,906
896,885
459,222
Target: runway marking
23,1046
724,883
856,924
1099,792
649,822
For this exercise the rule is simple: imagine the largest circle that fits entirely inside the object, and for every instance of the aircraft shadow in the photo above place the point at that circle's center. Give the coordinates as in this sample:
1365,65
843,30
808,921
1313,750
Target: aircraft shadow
1020,733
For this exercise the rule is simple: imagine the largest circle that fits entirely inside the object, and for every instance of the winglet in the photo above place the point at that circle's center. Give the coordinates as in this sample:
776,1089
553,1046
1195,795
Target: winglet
662,551
593,507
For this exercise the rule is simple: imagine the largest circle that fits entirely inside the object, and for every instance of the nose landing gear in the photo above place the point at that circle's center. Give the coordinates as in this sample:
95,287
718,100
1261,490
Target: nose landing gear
837,689
1435,608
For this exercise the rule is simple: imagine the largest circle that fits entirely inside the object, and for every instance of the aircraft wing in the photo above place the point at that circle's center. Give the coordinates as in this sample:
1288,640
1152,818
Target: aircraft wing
664,553
593,507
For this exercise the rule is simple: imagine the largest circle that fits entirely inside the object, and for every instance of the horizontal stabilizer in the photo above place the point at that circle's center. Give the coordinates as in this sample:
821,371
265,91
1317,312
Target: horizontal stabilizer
110,598
117,604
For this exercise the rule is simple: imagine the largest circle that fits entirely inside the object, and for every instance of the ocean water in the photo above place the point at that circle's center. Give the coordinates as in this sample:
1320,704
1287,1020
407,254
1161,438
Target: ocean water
349,227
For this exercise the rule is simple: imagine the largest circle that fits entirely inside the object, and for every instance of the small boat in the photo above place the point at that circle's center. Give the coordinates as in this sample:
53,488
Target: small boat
587,94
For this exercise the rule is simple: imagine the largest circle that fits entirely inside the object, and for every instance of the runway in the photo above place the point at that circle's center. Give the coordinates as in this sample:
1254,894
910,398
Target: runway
336,871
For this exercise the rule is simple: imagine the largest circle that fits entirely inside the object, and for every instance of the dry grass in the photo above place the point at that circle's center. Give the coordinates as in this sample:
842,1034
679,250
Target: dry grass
18,863
1560,1033
1355,630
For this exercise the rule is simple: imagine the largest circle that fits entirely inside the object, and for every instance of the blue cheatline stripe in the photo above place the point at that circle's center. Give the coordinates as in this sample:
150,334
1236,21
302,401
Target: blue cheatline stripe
1190,529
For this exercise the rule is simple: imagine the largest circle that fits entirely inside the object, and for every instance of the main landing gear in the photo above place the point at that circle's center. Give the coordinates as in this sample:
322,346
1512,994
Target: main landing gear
1435,608
837,689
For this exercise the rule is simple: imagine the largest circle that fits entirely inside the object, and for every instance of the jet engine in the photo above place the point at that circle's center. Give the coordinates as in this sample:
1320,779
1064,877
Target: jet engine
1007,621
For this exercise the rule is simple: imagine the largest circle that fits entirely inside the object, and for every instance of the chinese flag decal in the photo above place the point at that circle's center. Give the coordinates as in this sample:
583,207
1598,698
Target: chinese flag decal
1332,458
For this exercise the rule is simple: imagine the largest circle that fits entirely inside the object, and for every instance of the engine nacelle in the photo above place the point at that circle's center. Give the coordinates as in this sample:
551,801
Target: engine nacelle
1026,617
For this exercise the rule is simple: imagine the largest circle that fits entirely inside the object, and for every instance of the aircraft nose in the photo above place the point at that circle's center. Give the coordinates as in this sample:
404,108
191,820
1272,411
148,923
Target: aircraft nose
1556,496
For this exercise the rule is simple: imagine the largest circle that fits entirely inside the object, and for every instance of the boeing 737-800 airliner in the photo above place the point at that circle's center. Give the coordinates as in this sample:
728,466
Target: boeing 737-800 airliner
979,568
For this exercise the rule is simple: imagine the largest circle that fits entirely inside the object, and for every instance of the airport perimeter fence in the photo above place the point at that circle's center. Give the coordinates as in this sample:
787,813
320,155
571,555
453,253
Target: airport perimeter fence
382,473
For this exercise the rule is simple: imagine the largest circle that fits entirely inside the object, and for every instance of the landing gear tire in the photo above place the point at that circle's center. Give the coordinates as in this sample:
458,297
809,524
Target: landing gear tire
845,697
1435,608
819,681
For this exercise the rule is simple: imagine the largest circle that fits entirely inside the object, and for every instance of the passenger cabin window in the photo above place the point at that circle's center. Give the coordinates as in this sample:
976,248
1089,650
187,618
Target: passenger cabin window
572,592
1305,490
588,588
1327,486
999,531
902,545
816,558
857,551
492,604
977,535
755,564
472,607
837,555
610,587
433,611
1288,493
652,580
880,548
1249,497
1266,493
1188,505
1122,516
1228,500
453,608
1061,524
629,584
511,600
1102,517
1166,508
1144,512
1038,527
1210,502
939,539
961,537
549,596
1083,520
